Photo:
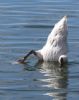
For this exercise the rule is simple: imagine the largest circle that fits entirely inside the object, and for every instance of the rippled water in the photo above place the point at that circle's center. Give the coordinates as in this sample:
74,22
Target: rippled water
25,25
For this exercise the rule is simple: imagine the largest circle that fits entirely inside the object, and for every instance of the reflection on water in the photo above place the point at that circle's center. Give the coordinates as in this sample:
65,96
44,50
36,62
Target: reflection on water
24,25
54,79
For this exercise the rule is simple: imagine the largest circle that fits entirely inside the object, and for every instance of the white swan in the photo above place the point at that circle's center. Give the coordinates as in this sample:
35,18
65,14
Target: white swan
55,48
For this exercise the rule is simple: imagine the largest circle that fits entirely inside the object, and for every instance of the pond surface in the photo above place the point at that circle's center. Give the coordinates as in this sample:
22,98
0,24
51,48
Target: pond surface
25,25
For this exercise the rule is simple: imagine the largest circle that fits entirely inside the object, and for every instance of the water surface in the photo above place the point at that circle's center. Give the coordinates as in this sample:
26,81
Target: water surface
25,25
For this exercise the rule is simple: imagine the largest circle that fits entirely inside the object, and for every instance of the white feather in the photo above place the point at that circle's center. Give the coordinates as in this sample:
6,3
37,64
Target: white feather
56,44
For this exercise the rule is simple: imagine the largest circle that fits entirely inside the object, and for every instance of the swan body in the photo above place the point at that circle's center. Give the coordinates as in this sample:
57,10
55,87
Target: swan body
55,48
56,45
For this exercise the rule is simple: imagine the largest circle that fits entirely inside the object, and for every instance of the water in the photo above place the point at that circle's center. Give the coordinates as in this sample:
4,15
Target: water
25,25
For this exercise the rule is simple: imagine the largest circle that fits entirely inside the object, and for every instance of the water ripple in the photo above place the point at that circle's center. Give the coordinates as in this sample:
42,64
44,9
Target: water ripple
25,25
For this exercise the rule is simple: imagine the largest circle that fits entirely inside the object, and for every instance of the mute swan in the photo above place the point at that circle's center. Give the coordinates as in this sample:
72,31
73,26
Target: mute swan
55,48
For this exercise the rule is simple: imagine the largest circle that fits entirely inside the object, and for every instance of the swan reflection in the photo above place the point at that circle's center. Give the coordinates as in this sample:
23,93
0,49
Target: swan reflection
49,79
56,78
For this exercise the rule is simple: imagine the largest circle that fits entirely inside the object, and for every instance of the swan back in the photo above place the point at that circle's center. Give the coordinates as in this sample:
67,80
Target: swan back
56,44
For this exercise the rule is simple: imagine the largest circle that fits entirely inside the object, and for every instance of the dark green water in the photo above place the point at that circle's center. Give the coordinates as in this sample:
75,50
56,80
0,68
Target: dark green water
25,25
